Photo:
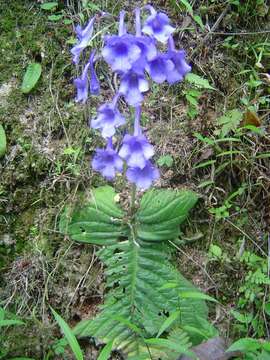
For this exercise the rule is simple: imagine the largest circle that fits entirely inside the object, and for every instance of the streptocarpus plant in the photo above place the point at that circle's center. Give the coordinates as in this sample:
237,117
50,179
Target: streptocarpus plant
143,298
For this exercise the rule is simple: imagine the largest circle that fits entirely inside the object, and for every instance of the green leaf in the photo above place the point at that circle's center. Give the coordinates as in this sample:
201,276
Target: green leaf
165,160
192,100
99,222
2,313
73,343
198,81
196,295
126,322
106,351
137,266
49,5
215,250
55,17
198,20
22,358
170,345
3,141
10,322
68,22
31,77
229,121
168,322
242,318
204,164
245,345
267,308
187,6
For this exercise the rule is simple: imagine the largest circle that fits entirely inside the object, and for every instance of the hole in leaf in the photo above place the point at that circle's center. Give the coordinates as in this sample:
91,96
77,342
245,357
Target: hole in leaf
166,313
117,251
82,229
116,284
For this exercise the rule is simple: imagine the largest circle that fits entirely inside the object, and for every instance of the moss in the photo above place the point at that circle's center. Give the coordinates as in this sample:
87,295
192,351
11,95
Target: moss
36,172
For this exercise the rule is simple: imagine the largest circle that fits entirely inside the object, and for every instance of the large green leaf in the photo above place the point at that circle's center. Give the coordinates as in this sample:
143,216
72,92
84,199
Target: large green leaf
99,222
137,263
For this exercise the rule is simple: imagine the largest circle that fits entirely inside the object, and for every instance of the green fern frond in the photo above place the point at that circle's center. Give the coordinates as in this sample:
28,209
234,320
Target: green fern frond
136,255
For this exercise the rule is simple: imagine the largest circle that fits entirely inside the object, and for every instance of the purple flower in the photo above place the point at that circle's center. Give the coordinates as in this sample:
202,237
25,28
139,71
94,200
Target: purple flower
81,84
148,52
160,68
181,68
120,51
94,82
108,118
83,36
144,177
158,25
136,150
107,161
146,45
132,87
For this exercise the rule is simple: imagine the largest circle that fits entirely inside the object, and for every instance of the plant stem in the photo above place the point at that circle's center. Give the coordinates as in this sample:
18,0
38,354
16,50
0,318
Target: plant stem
133,200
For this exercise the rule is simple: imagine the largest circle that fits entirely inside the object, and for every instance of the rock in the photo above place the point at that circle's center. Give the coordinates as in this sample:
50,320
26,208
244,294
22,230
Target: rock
213,349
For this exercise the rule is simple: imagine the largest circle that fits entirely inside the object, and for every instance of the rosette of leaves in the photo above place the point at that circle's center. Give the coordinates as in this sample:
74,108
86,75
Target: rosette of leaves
136,253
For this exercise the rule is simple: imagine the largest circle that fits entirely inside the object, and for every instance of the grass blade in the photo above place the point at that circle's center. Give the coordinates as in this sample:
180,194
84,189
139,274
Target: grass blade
71,339
105,353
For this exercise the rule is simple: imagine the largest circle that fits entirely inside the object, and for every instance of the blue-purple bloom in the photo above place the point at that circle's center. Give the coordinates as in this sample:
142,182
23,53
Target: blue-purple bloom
121,51
81,84
181,67
143,178
159,68
83,37
158,25
146,45
108,118
94,82
107,161
136,149
133,86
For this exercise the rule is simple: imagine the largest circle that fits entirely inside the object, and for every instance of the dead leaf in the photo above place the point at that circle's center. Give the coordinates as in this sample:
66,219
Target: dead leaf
251,118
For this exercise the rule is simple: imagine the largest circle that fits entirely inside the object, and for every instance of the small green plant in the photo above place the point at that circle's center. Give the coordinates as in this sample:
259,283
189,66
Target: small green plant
252,349
196,84
8,319
165,160
215,253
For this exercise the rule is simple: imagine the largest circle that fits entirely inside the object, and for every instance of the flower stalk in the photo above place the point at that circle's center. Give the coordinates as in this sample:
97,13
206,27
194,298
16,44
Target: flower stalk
136,60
